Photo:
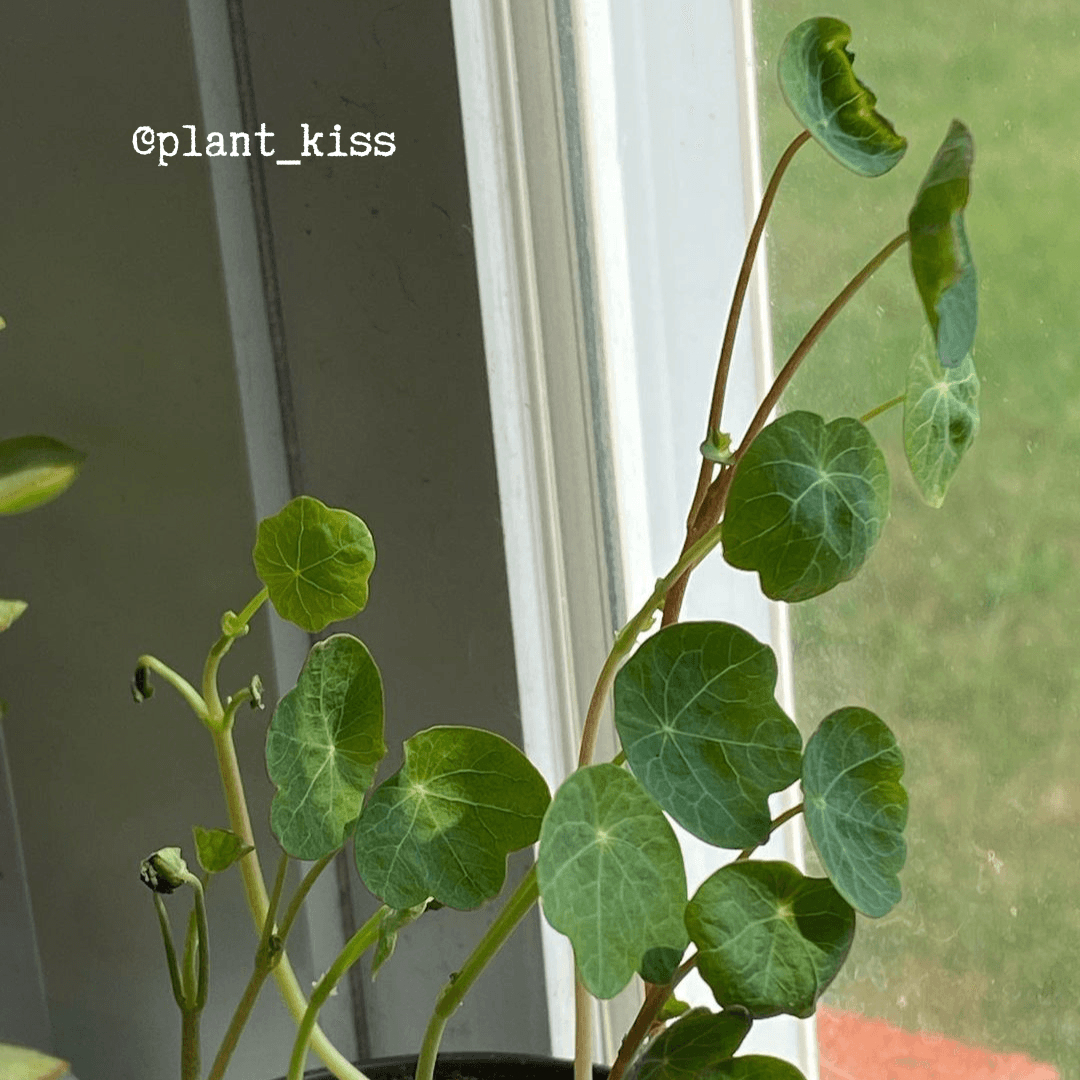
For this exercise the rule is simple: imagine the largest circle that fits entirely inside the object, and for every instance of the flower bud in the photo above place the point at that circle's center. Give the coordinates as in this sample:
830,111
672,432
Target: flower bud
165,871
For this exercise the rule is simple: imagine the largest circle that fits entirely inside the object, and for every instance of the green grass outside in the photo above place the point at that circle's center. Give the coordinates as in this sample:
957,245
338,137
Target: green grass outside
963,629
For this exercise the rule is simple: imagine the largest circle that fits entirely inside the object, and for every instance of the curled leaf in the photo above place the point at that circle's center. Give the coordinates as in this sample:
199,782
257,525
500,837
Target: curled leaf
35,469
819,85
940,256
395,921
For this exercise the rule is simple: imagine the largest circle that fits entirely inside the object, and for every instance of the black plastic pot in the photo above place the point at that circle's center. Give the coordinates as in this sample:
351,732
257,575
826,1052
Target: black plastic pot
478,1066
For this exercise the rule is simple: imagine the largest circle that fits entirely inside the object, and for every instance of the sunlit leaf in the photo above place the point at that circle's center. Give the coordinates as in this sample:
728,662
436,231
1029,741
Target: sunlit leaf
611,876
692,1048
856,808
819,84
807,505
218,849
10,610
20,1063
315,562
770,939
33,470
444,824
697,715
324,744
940,256
941,419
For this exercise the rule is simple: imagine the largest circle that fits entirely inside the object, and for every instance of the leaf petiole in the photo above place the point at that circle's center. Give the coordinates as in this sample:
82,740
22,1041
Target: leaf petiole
885,406
146,662
787,815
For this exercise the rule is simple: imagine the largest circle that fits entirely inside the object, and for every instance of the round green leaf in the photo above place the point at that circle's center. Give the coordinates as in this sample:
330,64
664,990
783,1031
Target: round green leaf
940,256
757,1067
770,939
691,1048
819,85
218,849
697,715
941,419
807,505
33,470
444,824
315,563
324,744
611,876
856,808
10,610
20,1063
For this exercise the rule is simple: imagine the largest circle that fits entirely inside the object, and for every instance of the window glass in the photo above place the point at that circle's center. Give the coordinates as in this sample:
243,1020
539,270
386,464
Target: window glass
961,630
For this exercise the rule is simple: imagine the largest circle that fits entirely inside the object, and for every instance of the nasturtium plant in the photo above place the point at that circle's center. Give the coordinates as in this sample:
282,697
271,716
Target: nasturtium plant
807,505
941,419
697,716
611,876
770,939
800,501
820,87
443,825
35,469
323,747
940,256
10,610
856,807
315,563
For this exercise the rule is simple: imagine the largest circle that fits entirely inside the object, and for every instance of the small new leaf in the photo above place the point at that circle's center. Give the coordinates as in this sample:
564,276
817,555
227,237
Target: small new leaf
10,610
856,808
692,1048
770,939
395,921
807,505
315,563
444,824
35,469
697,715
819,85
940,256
941,419
21,1063
218,849
323,747
611,876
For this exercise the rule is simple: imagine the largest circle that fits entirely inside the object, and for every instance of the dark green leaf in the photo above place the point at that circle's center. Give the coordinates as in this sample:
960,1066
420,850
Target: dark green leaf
940,256
856,808
941,419
315,562
218,849
692,1048
757,1067
770,940
444,824
324,744
696,711
611,876
33,470
395,921
659,965
10,610
807,505
819,84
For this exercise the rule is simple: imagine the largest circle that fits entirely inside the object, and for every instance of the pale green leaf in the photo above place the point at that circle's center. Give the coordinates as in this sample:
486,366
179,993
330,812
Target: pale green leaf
315,563
611,876
395,921
941,260
770,939
807,505
941,419
692,1048
10,610
20,1063
444,824
323,747
856,808
33,470
218,849
697,715
819,84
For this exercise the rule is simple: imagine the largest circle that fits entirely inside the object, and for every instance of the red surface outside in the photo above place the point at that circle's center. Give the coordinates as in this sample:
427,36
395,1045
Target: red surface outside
852,1047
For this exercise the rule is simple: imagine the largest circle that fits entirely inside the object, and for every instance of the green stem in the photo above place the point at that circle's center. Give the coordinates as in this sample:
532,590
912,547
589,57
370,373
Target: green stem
190,1058
787,815
170,950
885,406
302,890
450,997
234,703
628,635
253,606
233,627
189,971
204,944
356,946
583,1030
177,682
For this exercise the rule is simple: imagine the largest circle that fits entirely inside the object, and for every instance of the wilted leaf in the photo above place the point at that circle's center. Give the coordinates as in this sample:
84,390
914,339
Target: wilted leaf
611,876
33,470
395,921
697,715
856,808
